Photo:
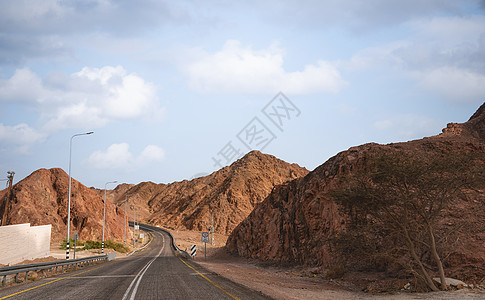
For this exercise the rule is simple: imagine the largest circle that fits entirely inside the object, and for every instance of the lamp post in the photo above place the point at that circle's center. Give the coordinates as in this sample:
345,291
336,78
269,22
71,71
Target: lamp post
69,197
134,225
126,200
104,213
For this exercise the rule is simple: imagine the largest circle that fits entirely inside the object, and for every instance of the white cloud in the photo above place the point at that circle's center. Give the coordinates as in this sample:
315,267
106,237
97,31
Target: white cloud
239,69
408,126
358,16
21,136
89,98
152,153
118,156
453,83
444,55
450,30
24,85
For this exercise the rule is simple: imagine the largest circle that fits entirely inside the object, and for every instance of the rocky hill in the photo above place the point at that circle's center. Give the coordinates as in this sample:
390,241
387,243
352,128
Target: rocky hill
300,221
230,193
42,198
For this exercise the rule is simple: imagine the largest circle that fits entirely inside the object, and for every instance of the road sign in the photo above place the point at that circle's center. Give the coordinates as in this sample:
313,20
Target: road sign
205,237
193,250
137,227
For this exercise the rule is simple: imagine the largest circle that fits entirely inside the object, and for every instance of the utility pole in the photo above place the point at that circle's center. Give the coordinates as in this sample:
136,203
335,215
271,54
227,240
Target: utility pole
8,196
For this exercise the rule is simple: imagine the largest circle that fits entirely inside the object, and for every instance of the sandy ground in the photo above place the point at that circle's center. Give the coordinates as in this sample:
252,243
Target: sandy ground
290,283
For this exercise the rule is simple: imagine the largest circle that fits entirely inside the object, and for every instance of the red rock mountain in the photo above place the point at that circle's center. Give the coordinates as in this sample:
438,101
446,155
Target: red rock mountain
298,221
231,193
42,198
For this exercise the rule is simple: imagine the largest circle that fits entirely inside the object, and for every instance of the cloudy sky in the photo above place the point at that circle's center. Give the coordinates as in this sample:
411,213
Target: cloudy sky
177,89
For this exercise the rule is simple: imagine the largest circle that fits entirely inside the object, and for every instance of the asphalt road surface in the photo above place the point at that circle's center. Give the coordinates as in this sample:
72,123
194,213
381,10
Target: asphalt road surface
153,273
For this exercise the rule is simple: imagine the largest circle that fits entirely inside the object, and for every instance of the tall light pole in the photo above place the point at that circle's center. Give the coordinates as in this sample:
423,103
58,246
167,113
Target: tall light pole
126,200
134,225
69,197
104,213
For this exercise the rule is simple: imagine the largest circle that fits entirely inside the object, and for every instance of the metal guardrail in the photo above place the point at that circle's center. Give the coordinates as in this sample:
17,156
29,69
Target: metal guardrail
174,245
5,271
79,262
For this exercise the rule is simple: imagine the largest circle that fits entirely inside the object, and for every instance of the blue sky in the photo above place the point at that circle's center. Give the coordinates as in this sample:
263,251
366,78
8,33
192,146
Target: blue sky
176,89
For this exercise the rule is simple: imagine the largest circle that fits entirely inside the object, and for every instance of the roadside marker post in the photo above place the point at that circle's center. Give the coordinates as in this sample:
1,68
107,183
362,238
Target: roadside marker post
205,240
193,250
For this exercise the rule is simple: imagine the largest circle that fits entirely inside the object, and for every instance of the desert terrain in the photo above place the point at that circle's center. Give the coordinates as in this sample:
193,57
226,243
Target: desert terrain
297,234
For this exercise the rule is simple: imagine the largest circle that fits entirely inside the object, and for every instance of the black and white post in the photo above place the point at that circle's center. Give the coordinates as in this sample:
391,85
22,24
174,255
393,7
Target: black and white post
193,250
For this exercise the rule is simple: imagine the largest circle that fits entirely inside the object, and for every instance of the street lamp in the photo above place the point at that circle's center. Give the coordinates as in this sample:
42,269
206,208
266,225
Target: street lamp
104,212
69,197
134,225
126,200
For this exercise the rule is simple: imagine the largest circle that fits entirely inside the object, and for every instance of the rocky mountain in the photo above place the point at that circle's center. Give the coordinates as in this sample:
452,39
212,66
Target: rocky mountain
42,198
299,221
230,193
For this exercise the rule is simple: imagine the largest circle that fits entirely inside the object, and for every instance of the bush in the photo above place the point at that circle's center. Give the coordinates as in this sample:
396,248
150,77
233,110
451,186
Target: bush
92,245
64,246
96,245
116,246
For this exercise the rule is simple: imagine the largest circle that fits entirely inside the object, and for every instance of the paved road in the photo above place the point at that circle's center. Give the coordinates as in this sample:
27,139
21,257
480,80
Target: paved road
154,273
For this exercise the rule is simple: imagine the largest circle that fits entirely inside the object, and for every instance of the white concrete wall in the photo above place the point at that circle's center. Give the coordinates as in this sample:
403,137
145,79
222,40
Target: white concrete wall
20,242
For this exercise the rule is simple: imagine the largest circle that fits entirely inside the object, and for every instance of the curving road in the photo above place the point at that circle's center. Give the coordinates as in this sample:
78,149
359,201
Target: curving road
153,273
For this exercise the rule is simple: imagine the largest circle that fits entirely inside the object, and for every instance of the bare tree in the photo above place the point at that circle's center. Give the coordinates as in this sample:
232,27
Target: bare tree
407,195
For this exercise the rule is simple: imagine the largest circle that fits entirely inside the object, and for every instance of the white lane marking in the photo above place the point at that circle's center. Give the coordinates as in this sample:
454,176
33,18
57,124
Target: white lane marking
140,274
132,282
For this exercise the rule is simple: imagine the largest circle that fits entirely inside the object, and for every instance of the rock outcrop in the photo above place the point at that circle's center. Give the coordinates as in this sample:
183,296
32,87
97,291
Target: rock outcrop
299,220
42,198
